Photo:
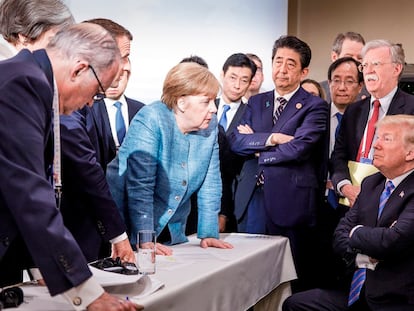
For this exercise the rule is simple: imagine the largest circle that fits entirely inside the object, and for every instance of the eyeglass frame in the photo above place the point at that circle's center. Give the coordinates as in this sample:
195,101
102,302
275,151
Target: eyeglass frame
376,64
98,96
339,82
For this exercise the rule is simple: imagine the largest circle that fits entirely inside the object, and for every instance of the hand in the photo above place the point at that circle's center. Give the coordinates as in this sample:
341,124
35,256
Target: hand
123,250
245,129
351,193
222,223
163,250
279,138
212,242
107,302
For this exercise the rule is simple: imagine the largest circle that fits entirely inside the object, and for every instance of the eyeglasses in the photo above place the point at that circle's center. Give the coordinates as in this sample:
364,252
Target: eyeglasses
347,83
98,96
362,67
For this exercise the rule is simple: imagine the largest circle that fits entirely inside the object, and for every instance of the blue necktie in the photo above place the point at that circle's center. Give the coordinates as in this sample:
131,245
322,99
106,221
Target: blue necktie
223,119
119,123
282,104
384,196
360,274
332,197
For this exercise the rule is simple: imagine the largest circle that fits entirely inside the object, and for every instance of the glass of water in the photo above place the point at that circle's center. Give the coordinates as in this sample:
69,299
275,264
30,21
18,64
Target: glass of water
146,249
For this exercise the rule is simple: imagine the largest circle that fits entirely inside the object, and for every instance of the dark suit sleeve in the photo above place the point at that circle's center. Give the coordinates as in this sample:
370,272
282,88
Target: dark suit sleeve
26,195
84,176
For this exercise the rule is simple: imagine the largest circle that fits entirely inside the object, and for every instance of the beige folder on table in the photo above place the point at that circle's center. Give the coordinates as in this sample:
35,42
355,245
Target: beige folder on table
358,172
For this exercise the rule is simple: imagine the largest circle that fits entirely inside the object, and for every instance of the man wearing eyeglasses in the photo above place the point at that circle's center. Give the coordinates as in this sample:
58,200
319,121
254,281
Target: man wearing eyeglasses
382,65
87,206
345,83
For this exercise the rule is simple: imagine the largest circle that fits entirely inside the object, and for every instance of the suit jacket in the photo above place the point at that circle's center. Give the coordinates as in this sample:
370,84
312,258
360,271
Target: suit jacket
390,239
293,183
99,129
88,209
27,199
230,163
158,168
352,129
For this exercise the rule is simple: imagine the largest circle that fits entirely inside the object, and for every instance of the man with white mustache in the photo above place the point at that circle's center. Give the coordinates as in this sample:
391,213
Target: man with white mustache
382,65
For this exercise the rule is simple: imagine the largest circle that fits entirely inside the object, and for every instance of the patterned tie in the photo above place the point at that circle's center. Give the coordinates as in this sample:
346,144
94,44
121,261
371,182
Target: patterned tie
282,104
359,276
370,132
389,187
339,118
223,119
119,123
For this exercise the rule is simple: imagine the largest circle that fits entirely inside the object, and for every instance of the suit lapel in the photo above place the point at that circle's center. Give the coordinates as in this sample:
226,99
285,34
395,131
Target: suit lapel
294,105
267,108
237,117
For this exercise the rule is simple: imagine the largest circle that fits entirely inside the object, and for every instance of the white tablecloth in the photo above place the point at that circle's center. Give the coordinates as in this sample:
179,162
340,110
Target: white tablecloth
210,279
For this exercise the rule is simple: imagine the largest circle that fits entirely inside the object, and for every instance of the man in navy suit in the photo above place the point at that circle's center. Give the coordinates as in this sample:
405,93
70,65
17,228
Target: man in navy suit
238,71
382,65
376,236
87,206
285,129
32,233
101,118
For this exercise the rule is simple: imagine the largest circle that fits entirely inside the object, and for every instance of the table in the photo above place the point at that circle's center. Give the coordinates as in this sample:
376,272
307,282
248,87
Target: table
215,279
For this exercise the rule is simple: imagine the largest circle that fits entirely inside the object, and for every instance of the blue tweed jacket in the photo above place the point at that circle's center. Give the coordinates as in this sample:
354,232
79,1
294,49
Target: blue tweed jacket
158,168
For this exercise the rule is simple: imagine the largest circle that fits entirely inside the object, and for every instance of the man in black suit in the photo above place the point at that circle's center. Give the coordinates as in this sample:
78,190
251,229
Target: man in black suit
101,119
32,233
87,206
238,71
382,65
376,236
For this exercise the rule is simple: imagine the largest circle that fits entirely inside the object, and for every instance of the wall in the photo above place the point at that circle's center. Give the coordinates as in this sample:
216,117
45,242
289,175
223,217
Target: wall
165,31
317,22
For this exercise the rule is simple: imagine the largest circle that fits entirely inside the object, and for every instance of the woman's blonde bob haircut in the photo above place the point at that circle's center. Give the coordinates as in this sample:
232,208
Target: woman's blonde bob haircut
188,79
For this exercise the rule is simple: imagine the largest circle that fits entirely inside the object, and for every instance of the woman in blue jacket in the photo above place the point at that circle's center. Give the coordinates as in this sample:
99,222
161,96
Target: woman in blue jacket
169,153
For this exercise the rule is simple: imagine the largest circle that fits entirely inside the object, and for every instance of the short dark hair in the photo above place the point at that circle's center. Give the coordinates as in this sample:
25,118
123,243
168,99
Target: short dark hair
194,59
342,60
340,38
294,43
239,60
112,27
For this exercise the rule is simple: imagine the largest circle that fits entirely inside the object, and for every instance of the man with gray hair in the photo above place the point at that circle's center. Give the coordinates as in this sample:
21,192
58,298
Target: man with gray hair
382,65
78,64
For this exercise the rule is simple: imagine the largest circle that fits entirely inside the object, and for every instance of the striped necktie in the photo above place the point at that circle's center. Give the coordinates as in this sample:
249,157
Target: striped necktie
389,187
282,104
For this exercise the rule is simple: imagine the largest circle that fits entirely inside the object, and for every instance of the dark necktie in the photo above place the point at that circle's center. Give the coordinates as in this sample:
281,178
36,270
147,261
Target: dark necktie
282,104
119,123
370,133
223,119
360,274
332,197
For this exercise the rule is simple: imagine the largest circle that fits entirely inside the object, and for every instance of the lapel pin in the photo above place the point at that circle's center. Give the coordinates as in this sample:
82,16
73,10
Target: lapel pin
267,104
298,106
402,194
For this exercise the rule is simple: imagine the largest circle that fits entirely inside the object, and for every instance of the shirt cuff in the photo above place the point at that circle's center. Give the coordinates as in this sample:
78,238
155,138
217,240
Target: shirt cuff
268,143
81,296
353,230
341,184
362,261
119,238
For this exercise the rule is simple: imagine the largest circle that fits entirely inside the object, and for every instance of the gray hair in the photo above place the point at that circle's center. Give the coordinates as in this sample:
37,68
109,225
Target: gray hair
86,41
396,50
402,121
32,18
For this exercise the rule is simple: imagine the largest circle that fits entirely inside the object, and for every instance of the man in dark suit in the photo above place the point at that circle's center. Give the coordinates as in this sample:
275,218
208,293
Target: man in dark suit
382,65
238,71
376,236
101,119
285,129
33,85
87,206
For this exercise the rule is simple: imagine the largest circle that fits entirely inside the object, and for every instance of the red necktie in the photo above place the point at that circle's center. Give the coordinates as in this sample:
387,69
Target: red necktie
370,132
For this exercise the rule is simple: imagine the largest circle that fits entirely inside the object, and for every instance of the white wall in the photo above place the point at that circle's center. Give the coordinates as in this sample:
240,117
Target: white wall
165,31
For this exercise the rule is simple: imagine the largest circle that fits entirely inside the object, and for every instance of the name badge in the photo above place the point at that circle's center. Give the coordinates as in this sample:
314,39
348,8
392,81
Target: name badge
365,160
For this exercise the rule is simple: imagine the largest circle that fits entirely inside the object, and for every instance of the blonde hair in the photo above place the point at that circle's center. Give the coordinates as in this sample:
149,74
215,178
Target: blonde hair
404,122
188,79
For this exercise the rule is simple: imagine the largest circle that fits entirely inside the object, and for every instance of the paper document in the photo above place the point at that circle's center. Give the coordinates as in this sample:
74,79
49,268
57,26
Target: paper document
358,172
